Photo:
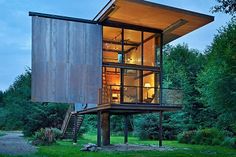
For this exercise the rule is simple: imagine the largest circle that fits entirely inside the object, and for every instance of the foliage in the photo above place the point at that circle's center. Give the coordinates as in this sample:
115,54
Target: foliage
46,136
147,126
44,115
181,67
217,81
210,136
1,99
19,112
229,142
225,6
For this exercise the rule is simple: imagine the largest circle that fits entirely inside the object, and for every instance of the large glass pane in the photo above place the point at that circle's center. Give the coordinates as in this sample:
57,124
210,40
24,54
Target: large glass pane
131,86
112,47
132,47
149,49
150,87
111,84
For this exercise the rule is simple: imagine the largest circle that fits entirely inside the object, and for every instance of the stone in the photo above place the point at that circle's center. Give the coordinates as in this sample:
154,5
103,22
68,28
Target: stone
89,147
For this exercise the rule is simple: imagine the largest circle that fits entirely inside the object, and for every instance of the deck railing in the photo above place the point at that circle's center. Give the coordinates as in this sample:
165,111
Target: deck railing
112,94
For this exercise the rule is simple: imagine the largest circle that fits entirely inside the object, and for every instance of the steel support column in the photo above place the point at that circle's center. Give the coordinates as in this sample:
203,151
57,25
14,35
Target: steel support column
126,118
160,129
99,128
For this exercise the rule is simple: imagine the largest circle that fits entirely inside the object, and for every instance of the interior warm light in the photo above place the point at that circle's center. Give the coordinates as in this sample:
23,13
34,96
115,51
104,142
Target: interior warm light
129,59
147,85
114,95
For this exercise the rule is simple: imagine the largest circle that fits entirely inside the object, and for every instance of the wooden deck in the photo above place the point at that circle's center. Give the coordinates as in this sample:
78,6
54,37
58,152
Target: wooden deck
131,108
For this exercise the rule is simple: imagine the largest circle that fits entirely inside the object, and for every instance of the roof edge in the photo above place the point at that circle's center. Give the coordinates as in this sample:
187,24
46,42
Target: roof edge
104,10
51,16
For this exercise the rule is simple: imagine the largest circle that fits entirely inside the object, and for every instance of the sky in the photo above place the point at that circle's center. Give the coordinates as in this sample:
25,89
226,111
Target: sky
15,28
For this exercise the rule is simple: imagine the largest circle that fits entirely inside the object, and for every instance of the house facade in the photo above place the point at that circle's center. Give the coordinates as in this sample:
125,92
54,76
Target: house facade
112,64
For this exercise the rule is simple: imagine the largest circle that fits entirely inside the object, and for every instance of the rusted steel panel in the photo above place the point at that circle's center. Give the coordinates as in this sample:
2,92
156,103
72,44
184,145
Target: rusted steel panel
66,61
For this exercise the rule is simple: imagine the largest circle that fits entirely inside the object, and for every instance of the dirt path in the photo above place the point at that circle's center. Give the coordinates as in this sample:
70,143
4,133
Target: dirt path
13,143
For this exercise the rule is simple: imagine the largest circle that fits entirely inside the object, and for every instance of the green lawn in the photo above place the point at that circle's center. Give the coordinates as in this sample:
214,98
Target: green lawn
66,149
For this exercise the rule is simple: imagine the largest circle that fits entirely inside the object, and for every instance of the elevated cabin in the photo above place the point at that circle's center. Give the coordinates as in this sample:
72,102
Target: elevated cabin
112,64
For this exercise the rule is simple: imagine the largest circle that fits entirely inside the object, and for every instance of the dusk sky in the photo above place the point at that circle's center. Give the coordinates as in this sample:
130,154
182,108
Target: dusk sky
15,28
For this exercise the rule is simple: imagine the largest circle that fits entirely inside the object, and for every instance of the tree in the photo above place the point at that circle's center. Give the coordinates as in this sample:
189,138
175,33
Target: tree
181,67
225,6
19,112
217,81
1,98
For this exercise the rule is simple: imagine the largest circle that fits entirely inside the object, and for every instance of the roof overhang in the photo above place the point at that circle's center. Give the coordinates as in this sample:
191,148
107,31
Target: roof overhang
173,22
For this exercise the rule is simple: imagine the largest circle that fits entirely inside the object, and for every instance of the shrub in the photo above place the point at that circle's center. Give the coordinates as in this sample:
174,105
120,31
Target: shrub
146,126
57,133
186,137
46,136
229,142
209,136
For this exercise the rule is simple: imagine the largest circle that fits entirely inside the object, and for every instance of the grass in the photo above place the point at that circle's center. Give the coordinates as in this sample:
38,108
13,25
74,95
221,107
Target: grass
66,149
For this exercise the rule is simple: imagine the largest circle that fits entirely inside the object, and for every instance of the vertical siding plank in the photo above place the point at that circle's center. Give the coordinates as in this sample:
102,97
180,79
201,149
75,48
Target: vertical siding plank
66,61
93,51
40,49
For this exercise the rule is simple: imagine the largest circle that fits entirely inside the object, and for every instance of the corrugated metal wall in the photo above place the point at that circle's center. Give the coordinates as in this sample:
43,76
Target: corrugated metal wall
66,61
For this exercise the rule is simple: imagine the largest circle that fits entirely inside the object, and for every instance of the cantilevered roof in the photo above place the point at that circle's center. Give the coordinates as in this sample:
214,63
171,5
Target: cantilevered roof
174,22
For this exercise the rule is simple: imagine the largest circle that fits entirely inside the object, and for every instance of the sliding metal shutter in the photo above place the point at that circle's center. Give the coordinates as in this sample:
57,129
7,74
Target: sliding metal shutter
66,61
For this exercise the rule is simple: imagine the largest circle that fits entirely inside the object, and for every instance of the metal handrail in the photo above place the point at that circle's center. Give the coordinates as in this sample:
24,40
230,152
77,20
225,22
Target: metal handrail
171,96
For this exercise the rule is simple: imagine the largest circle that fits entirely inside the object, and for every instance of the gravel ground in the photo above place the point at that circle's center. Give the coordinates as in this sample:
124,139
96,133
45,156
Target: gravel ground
13,143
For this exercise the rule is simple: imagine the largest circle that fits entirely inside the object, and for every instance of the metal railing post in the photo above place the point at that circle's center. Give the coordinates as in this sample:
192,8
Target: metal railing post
110,95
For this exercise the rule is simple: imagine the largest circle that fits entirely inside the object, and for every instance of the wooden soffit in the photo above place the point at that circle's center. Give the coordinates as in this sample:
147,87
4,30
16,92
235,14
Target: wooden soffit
174,22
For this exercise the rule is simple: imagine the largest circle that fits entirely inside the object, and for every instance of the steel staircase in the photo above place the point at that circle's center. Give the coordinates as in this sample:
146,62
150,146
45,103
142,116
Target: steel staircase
71,124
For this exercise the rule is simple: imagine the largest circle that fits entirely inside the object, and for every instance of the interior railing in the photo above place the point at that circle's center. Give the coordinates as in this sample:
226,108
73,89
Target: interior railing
111,94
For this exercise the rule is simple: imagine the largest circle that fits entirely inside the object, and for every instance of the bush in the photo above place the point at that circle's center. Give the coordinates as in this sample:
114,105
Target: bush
57,133
147,126
186,137
209,136
229,142
46,136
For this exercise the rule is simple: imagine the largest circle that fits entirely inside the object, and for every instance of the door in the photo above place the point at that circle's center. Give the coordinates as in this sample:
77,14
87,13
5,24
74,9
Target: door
66,61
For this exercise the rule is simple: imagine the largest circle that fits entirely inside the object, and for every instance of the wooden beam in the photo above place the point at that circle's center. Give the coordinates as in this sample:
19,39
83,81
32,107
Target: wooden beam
99,129
105,128
143,41
129,26
174,26
160,129
112,50
120,43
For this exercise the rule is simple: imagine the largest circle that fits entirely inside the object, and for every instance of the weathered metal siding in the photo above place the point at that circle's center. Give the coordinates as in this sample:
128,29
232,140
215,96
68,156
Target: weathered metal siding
66,61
